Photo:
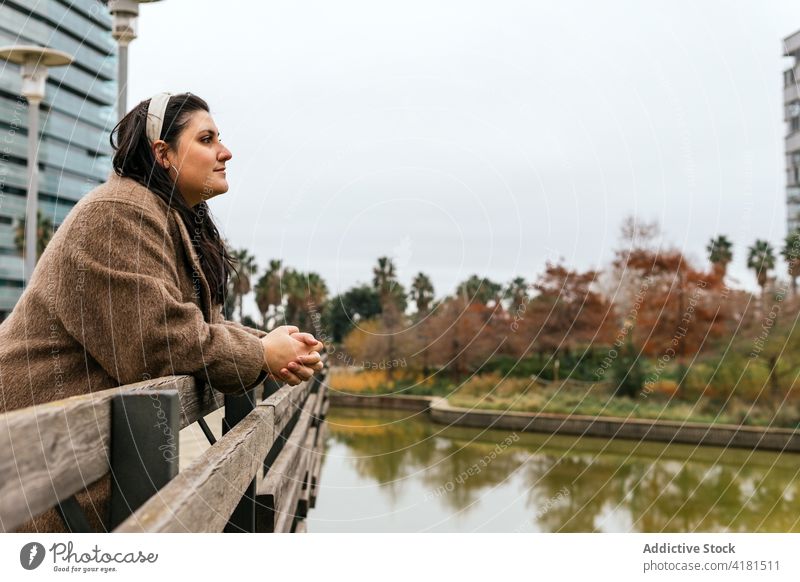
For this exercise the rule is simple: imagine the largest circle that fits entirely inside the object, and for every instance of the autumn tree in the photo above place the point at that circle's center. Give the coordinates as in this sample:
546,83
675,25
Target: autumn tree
619,284
681,306
567,312
463,335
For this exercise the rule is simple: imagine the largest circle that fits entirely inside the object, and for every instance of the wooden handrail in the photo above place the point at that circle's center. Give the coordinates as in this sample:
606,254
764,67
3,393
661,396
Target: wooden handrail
203,496
279,492
74,444
51,451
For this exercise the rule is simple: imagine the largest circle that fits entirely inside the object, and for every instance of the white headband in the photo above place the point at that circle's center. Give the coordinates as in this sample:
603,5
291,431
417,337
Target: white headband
155,115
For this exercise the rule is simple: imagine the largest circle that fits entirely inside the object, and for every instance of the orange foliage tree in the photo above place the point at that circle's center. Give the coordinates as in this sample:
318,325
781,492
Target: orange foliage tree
682,307
568,312
462,334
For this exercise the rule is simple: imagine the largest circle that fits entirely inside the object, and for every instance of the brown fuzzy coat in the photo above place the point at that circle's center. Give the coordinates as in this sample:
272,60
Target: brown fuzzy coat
118,297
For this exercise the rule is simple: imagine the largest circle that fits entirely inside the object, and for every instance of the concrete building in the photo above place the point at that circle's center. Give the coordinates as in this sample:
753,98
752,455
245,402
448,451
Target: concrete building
77,115
791,113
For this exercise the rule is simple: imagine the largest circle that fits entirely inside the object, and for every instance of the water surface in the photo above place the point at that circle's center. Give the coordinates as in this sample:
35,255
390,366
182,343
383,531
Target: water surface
394,471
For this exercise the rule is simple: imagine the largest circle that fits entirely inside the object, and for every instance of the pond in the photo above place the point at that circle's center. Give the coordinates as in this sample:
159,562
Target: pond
395,471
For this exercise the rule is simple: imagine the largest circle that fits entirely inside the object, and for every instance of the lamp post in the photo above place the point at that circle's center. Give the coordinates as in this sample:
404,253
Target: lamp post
34,62
124,14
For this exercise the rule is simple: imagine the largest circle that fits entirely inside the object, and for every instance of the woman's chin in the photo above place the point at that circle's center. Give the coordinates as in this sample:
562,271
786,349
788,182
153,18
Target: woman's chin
221,186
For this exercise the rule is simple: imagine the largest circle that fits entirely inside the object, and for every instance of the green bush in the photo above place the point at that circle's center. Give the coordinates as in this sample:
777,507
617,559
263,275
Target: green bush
735,375
579,365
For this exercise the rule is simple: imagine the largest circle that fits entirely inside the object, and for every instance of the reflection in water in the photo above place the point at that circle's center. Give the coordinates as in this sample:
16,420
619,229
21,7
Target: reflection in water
395,471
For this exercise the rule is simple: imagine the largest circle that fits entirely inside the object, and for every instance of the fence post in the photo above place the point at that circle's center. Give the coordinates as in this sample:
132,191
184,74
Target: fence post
271,386
243,518
145,429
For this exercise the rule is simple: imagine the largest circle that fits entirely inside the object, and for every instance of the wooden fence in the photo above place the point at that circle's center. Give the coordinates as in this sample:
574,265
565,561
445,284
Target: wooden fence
262,475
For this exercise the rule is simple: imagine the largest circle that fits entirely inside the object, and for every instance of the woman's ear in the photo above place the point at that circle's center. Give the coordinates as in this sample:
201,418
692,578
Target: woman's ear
160,149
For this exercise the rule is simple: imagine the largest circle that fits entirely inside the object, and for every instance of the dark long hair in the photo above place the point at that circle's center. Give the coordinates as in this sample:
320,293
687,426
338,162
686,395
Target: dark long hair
133,158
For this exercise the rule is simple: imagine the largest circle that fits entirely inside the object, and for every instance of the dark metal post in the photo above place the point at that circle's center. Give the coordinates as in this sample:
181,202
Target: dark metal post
73,516
237,407
145,429
271,386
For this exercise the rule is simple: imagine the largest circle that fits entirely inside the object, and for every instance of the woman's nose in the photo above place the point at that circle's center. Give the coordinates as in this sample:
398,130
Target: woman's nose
225,155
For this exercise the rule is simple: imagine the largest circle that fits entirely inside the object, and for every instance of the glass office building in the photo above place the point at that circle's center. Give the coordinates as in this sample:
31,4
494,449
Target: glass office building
76,116
791,112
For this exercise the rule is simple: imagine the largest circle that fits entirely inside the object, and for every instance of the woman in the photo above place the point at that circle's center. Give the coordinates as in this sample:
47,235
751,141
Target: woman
131,285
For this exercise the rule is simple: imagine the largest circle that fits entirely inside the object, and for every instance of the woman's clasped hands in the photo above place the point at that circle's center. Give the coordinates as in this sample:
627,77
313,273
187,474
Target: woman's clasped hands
291,355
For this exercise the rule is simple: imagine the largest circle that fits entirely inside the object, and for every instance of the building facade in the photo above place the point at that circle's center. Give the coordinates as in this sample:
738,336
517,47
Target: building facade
76,117
791,112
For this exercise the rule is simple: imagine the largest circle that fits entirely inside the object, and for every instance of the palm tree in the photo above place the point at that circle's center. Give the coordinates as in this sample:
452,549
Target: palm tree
390,291
242,276
268,290
791,254
316,291
305,294
761,259
44,232
480,290
518,289
316,296
720,254
422,293
293,286
384,277
393,303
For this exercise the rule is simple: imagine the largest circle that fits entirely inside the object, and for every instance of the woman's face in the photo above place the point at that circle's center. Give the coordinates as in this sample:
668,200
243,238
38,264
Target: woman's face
198,163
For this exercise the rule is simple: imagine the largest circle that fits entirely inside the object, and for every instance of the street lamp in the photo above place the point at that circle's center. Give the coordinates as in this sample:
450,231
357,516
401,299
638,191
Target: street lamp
34,62
124,13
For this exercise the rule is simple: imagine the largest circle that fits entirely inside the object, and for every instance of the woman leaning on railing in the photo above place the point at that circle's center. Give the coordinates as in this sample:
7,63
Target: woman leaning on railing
132,283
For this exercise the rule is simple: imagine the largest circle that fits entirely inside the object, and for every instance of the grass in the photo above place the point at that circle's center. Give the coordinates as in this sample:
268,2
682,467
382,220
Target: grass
494,392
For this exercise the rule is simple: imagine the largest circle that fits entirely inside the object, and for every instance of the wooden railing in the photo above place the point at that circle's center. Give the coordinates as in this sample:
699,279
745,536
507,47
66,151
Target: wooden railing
261,475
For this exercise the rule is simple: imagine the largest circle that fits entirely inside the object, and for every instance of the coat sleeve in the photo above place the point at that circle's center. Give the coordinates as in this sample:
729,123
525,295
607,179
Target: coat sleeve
250,330
120,298
219,318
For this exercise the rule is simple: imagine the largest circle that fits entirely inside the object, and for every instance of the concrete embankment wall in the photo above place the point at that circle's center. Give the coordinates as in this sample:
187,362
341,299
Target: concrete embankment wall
721,435
416,403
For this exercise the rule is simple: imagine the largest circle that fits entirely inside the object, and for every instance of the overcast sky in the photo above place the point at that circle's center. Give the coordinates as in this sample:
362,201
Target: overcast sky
481,137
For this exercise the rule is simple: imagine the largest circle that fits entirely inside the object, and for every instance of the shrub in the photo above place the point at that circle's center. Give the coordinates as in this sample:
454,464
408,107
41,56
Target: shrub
358,381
